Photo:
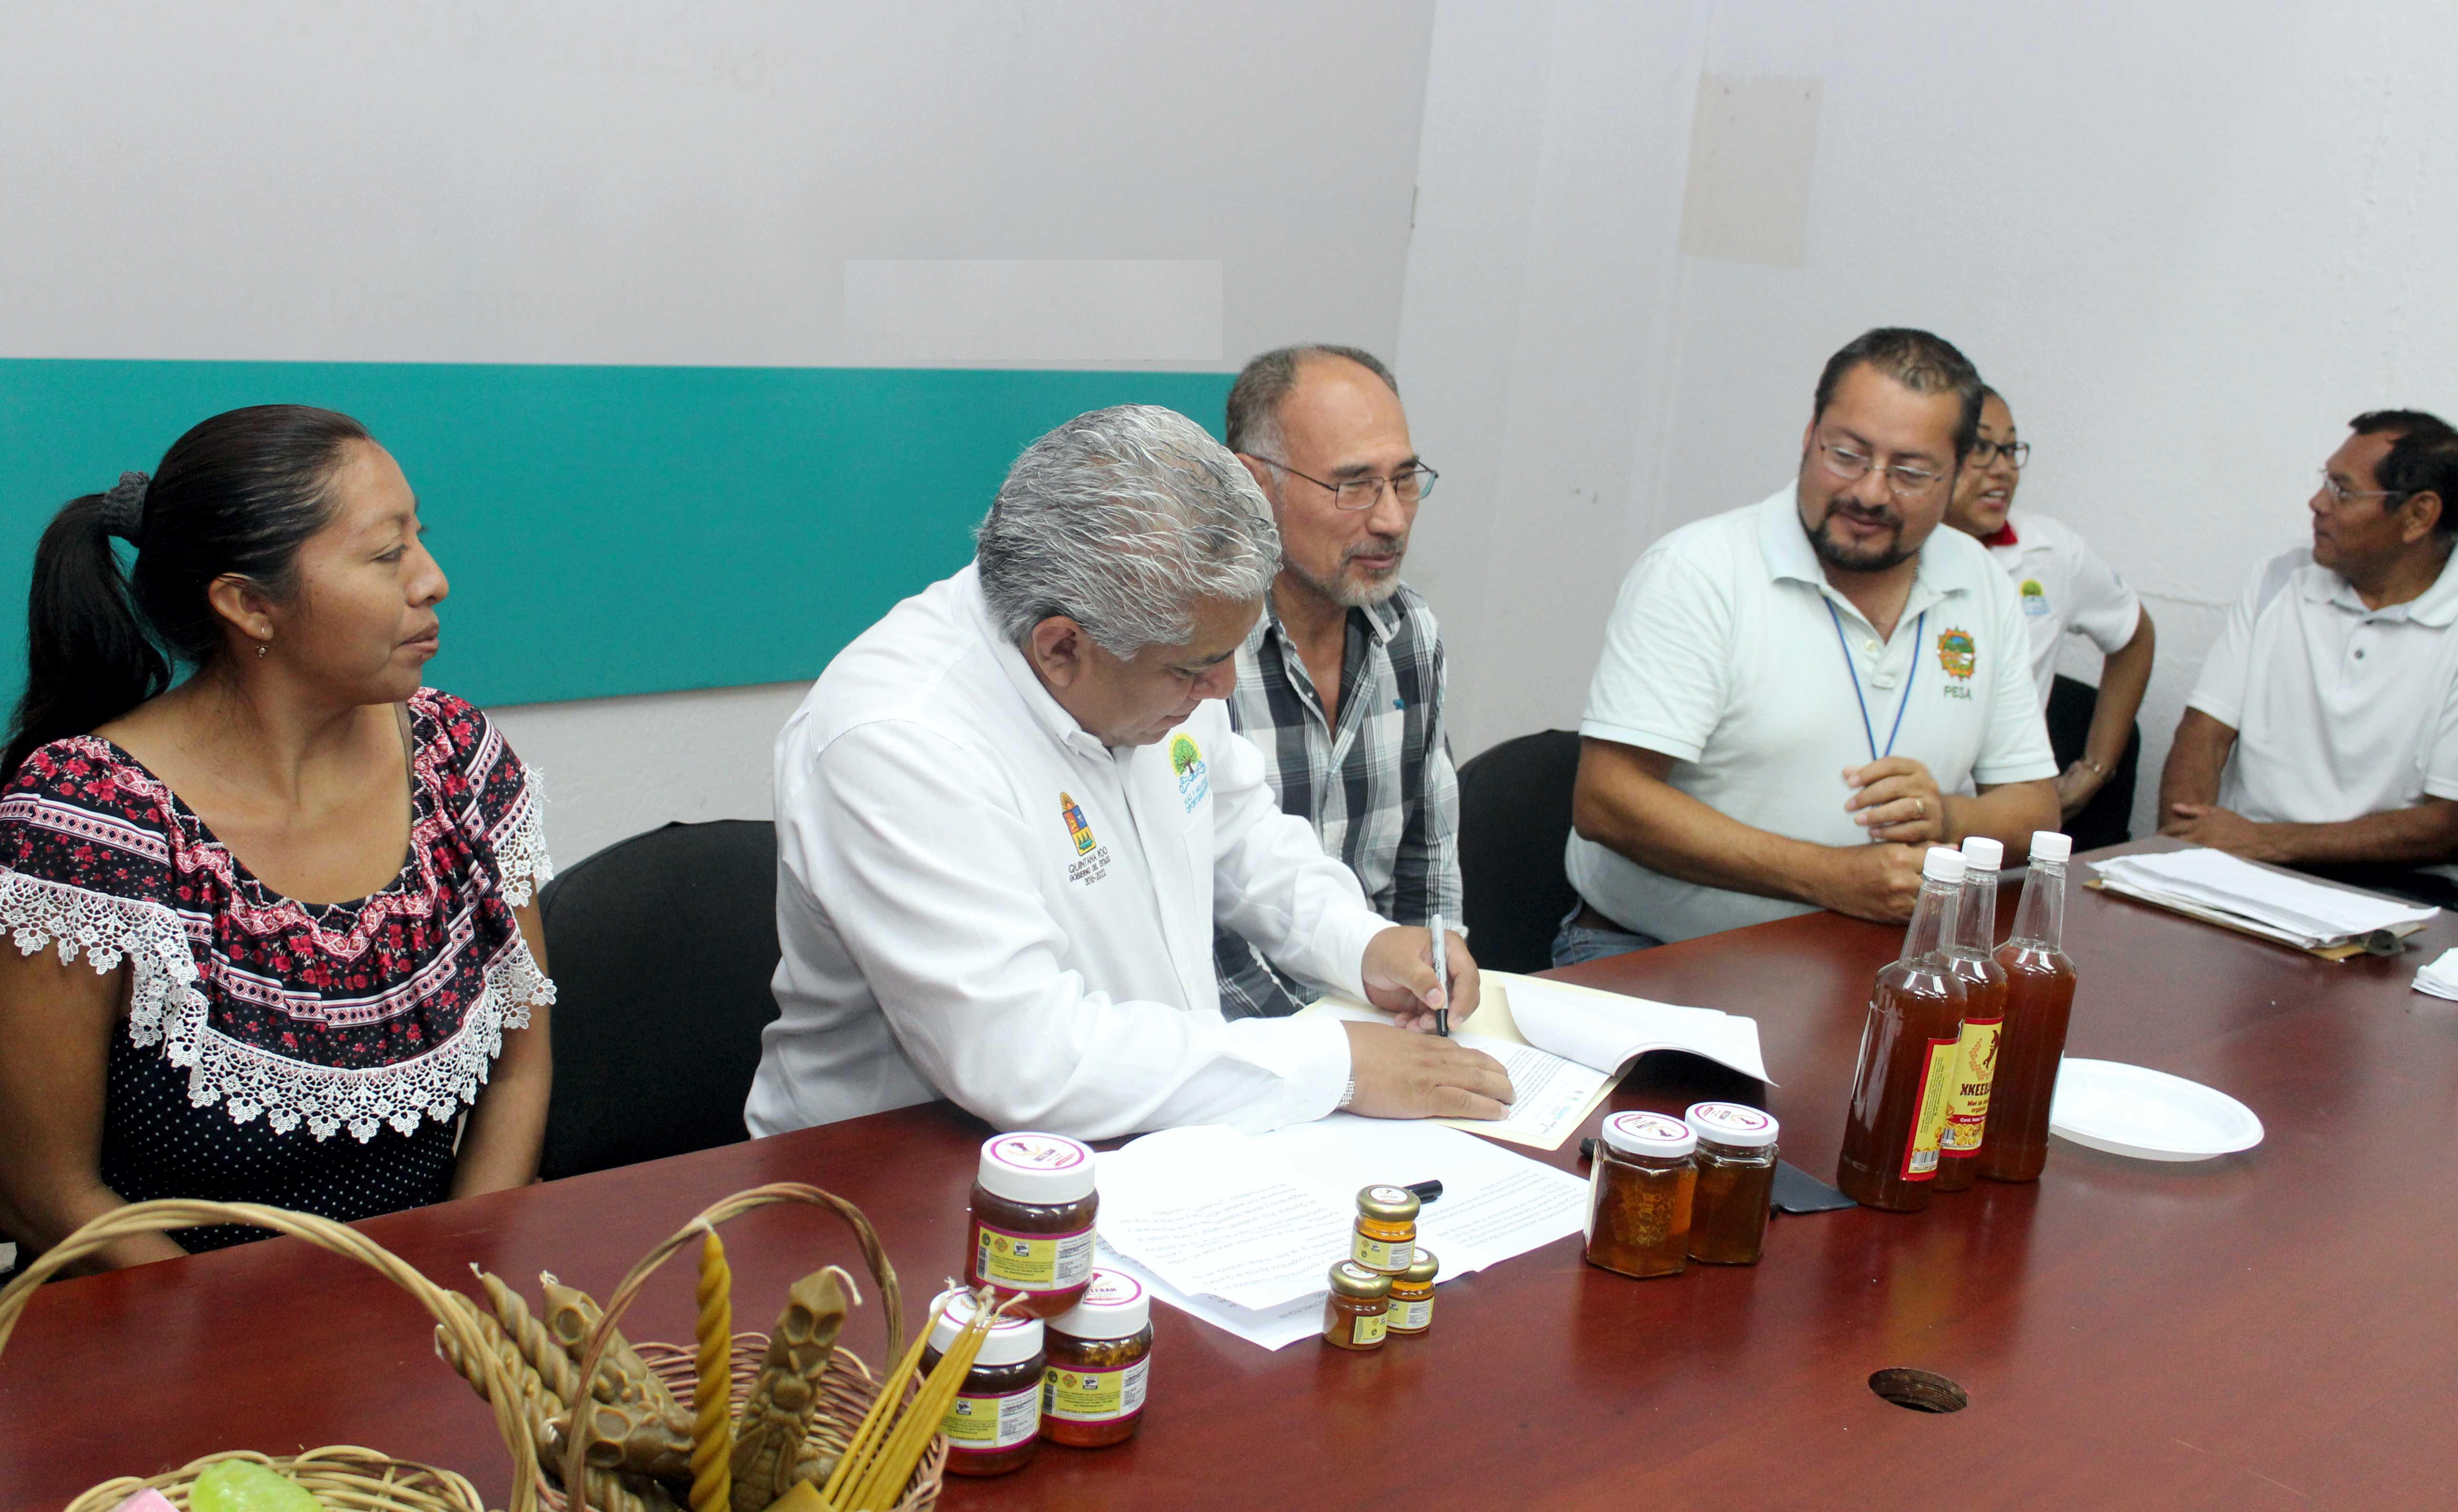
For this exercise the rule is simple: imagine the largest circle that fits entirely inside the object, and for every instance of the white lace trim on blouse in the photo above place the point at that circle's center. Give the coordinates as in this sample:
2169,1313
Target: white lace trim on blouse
521,859
167,1009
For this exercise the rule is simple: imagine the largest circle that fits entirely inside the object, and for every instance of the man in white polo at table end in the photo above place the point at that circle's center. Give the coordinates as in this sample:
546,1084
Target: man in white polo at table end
2323,731
1797,698
1011,813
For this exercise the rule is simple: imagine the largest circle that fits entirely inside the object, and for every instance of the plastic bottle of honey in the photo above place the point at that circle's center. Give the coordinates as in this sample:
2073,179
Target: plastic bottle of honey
2039,1003
1897,1115
1972,951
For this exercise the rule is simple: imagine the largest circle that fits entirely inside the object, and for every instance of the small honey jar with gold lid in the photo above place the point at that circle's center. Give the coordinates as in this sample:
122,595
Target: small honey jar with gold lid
1387,1230
1357,1311
1412,1295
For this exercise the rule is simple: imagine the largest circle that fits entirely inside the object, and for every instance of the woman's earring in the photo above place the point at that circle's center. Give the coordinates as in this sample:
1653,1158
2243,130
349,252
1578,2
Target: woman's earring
261,647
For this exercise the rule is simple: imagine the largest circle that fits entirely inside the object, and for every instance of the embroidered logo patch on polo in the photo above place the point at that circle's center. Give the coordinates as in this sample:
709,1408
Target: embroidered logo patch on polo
1957,653
2035,597
1078,830
1194,779
1092,861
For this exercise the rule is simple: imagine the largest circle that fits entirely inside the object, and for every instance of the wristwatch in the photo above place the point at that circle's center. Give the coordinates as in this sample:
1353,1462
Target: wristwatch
1348,1095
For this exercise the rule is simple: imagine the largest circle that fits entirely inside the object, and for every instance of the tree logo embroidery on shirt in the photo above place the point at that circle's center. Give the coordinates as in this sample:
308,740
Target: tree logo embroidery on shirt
1186,759
1078,830
2035,597
1957,653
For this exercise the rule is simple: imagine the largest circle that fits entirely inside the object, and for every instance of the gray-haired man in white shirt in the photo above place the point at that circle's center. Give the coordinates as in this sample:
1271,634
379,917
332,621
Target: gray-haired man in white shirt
1009,814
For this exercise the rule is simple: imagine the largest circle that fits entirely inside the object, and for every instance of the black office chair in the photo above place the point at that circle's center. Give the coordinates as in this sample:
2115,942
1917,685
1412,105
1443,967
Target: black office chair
2107,818
1515,817
661,947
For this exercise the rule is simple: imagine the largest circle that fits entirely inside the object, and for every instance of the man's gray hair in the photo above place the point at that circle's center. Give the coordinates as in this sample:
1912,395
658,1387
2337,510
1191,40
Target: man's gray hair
1254,424
1121,520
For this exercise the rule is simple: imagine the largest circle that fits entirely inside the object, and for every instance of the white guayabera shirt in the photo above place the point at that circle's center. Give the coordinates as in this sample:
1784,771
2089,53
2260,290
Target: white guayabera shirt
977,899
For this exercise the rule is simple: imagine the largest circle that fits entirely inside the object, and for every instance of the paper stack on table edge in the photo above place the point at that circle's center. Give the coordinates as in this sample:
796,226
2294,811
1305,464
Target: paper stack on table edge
1566,1045
1240,1229
2439,977
2298,911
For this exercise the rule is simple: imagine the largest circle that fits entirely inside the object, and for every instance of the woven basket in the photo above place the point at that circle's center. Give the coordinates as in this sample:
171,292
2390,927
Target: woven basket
846,1392
347,1479
342,1476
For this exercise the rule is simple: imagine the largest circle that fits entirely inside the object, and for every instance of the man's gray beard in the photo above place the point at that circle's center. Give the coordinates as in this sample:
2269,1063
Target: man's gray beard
1349,594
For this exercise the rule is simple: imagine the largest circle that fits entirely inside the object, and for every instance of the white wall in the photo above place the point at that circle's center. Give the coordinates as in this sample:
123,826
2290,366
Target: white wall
616,766
642,181
2187,243
650,182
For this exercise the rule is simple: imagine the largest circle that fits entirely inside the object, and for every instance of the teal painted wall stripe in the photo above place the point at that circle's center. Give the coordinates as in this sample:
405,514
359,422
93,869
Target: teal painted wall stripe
606,530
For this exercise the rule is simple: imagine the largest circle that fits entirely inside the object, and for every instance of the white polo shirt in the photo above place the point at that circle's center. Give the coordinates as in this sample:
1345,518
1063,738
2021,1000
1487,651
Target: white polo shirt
975,897
2339,711
1723,654
2064,590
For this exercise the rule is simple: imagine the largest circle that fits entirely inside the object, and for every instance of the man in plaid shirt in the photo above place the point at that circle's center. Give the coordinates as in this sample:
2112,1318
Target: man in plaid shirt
1339,684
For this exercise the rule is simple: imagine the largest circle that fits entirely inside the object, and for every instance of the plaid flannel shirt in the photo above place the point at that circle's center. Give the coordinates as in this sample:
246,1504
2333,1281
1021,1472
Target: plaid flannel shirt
1380,790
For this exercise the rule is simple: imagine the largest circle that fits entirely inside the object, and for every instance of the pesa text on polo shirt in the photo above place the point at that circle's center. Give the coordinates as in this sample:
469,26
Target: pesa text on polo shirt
977,898
2339,710
1730,653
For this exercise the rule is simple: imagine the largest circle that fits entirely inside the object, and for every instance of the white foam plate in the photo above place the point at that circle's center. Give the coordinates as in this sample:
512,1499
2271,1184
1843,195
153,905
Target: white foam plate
2134,1110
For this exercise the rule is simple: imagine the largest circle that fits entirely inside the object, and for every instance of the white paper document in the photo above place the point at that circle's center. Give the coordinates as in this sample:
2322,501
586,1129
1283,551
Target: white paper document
1564,1047
1240,1229
1273,1328
2439,978
2228,889
1609,1030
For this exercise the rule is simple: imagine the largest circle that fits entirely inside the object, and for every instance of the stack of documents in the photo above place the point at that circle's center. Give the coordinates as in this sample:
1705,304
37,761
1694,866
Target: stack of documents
1564,1047
2439,978
2276,905
1241,1229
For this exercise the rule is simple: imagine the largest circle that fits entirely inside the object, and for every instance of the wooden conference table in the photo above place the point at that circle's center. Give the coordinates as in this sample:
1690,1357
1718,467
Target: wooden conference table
2269,1329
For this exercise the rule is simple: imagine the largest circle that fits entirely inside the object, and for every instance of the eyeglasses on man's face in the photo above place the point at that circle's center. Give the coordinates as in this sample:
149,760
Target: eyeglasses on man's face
1851,465
1985,452
1410,485
2340,493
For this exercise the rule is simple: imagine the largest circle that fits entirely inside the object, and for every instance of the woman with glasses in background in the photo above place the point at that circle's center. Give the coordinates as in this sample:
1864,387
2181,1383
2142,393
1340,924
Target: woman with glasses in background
2065,590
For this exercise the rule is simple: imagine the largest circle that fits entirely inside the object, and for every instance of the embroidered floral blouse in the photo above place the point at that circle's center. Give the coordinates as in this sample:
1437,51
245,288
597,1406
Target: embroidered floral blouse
285,1024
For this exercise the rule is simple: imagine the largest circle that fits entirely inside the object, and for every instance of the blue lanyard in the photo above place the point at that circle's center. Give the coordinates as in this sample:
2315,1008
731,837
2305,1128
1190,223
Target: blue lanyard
1919,626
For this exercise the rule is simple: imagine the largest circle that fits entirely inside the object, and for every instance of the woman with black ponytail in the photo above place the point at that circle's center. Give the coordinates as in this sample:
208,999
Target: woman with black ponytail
275,922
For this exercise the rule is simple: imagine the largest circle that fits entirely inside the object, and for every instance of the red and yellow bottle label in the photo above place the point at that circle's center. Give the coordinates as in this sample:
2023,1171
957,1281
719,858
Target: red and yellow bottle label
1929,1126
1966,1103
